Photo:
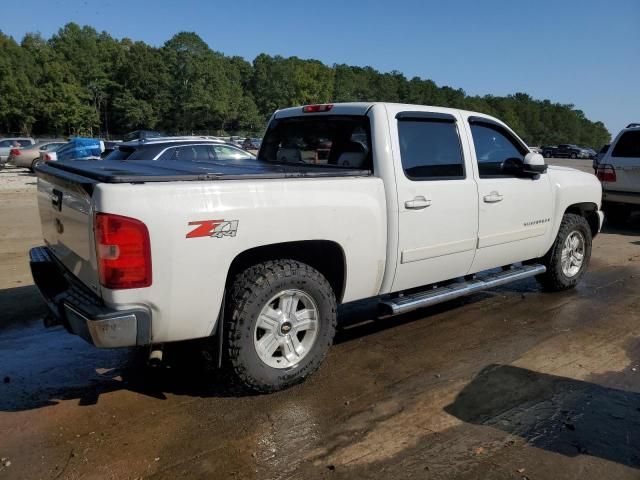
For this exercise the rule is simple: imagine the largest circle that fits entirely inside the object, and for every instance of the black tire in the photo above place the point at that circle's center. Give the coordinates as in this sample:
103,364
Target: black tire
250,292
554,279
573,155
616,214
34,164
547,155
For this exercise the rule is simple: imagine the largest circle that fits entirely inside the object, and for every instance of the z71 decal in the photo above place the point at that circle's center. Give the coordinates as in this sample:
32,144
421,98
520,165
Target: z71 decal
214,228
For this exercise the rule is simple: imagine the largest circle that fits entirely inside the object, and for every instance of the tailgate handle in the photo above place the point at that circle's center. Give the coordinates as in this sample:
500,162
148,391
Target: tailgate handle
56,199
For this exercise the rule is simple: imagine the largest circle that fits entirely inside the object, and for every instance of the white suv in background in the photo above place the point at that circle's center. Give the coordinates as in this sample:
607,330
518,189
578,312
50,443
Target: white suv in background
619,172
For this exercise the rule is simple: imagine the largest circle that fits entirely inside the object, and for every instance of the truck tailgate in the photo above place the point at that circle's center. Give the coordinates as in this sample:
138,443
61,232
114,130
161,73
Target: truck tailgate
66,215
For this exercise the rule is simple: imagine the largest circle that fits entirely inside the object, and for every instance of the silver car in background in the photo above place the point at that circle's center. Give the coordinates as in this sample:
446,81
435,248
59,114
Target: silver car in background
28,157
6,144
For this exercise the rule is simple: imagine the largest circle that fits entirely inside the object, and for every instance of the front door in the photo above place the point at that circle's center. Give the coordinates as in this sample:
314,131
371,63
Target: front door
514,212
437,198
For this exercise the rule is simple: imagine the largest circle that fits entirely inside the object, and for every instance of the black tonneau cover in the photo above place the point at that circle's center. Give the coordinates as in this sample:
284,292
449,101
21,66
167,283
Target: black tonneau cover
143,171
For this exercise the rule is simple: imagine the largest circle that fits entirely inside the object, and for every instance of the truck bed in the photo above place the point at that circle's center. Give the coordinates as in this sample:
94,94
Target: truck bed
143,171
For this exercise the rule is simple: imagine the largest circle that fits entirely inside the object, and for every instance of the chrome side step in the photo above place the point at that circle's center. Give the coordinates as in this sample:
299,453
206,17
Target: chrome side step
422,299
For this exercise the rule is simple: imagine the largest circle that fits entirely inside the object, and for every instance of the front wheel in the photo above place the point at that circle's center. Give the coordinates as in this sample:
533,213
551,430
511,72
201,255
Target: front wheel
574,156
280,324
569,256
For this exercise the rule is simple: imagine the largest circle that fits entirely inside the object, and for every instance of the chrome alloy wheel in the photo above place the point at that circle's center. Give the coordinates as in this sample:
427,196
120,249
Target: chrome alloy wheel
286,329
573,254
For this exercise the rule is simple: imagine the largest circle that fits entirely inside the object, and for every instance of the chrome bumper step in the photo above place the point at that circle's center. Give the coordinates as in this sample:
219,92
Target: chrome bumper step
406,303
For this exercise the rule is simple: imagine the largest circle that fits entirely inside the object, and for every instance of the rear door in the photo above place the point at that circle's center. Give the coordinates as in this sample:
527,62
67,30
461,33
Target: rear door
437,197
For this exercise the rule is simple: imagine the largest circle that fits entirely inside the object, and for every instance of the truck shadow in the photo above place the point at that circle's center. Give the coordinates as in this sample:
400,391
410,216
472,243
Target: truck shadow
631,227
558,414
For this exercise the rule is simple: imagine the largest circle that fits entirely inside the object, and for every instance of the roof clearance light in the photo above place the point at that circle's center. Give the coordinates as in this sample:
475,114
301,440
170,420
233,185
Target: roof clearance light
317,108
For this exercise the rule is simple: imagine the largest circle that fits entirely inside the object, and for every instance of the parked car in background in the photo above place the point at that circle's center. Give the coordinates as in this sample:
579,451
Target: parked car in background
536,149
564,150
589,153
109,146
548,151
252,143
197,149
142,135
6,144
567,150
619,172
599,155
80,148
28,157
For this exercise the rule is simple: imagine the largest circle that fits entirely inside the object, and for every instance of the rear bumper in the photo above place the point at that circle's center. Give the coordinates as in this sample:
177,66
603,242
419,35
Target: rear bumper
81,311
628,198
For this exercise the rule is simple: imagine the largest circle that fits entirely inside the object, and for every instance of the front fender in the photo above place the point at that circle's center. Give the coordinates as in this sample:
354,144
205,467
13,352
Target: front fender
572,188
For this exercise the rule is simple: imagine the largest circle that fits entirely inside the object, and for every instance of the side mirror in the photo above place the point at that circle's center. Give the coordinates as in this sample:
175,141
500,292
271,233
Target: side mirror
512,166
534,164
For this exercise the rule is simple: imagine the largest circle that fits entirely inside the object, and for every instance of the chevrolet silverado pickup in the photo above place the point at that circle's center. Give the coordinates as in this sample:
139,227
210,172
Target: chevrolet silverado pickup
409,204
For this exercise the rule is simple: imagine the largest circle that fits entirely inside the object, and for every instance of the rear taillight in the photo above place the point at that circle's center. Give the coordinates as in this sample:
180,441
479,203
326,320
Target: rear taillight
606,173
14,152
123,251
47,158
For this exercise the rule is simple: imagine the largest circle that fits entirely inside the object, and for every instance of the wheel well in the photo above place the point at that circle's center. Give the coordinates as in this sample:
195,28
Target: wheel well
325,256
589,211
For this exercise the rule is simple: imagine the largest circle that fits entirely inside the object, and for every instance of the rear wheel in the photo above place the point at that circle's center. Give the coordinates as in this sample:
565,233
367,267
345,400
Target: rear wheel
280,323
569,256
573,155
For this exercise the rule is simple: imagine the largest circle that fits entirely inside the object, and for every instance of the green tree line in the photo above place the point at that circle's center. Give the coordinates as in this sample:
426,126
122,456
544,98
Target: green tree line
85,82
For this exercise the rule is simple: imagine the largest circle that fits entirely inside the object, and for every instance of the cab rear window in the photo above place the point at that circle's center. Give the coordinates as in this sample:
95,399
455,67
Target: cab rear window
628,145
327,140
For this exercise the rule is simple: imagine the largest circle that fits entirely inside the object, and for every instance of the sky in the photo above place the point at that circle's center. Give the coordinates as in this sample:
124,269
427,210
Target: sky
585,53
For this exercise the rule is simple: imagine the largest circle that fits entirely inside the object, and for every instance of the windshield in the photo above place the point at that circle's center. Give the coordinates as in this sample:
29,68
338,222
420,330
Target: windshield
335,141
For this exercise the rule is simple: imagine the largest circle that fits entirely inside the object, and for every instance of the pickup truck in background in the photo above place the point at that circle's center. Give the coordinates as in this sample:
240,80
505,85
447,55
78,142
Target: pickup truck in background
564,150
410,204
619,172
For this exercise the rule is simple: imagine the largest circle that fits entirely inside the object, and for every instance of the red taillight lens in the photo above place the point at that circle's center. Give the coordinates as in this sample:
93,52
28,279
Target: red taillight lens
47,158
317,108
123,251
606,173
14,152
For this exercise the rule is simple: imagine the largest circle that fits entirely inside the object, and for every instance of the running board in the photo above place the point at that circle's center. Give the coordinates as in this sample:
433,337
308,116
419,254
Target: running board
422,299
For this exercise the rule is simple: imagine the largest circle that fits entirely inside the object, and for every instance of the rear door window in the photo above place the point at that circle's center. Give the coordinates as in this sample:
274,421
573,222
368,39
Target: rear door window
321,140
430,149
628,146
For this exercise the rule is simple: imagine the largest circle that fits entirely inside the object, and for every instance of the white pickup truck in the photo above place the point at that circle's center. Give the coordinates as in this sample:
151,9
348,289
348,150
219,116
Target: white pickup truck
410,204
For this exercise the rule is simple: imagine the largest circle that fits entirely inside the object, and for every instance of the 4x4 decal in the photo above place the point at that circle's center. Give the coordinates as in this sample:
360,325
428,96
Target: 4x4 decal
214,228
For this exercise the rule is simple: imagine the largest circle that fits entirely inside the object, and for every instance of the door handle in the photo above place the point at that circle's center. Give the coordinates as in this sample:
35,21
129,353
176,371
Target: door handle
417,203
493,197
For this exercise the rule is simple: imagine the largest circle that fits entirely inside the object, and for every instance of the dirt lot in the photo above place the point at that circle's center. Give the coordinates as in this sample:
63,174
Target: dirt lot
511,383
